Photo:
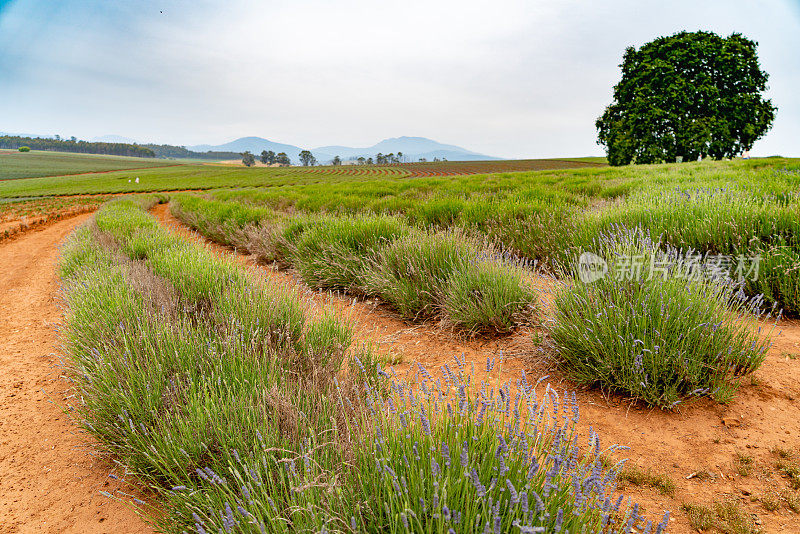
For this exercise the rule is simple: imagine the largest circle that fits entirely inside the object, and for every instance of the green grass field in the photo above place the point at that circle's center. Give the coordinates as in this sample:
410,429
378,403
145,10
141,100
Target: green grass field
16,165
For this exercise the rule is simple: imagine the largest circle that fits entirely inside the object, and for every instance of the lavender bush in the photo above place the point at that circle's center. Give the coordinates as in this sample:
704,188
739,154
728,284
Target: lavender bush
451,455
656,338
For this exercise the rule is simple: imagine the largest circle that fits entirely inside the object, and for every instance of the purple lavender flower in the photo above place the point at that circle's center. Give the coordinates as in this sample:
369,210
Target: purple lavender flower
512,491
446,454
227,518
559,520
435,467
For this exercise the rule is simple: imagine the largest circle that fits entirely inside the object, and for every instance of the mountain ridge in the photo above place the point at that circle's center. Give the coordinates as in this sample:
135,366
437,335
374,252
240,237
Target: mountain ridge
412,148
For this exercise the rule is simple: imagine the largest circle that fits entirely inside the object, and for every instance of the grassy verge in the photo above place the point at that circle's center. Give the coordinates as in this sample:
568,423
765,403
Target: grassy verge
229,399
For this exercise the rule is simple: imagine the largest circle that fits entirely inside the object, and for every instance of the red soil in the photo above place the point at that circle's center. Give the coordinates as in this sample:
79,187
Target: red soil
50,473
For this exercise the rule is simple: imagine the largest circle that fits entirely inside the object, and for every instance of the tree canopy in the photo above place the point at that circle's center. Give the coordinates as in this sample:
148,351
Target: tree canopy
248,159
686,96
307,158
268,157
172,151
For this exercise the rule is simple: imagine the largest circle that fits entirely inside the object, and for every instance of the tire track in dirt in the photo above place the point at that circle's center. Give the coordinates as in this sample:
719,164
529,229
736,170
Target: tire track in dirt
50,474
677,444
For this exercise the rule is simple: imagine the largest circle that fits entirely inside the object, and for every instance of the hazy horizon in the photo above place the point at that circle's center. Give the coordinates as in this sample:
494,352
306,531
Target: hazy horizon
512,79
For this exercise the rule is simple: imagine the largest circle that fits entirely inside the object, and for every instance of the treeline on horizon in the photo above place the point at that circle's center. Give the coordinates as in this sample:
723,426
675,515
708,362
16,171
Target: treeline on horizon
14,142
172,151
74,145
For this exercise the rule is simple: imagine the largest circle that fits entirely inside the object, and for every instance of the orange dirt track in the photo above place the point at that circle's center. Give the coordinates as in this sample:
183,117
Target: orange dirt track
50,474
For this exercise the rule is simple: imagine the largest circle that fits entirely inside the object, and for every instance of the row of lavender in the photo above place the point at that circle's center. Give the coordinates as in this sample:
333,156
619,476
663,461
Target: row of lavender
247,412
657,335
461,279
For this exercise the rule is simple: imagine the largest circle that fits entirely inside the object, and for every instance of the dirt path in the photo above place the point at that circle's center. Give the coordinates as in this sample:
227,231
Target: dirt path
19,226
702,438
50,477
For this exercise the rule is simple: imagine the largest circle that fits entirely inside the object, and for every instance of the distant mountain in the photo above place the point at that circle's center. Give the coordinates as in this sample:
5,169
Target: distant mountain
413,148
256,145
114,139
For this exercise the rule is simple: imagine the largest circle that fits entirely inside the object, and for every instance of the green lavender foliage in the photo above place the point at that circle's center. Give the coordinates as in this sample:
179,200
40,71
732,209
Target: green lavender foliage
658,336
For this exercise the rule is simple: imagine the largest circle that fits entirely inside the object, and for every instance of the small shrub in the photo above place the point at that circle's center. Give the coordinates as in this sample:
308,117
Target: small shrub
455,277
24,149
780,452
726,517
771,501
792,501
732,520
337,253
744,464
638,477
487,297
790,470
413,272
700,517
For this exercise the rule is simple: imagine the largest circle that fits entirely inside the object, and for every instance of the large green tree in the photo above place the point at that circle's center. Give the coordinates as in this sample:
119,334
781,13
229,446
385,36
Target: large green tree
267,157
307,158
689,95
248,159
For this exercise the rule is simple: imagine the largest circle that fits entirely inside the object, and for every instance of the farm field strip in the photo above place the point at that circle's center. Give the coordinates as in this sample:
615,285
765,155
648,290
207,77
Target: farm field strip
674,444
203,176
422,274
17,217
170,303
397,341
37,207
15,165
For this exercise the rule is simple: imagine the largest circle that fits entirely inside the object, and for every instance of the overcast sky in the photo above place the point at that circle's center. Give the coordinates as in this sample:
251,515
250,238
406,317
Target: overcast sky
507,78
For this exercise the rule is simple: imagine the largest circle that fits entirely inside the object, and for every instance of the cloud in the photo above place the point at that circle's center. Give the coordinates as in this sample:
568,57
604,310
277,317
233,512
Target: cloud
510,78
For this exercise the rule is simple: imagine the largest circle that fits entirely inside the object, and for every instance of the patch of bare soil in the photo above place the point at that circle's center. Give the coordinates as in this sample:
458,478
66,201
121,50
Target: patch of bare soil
10,229
697,447
50,474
